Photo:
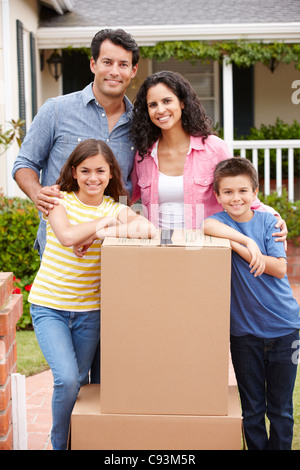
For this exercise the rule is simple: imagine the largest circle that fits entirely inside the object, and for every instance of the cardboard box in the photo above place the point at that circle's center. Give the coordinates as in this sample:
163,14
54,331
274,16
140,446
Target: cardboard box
93,430
165,313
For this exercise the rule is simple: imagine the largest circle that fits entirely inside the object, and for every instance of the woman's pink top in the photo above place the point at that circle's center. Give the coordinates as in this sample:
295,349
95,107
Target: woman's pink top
199,199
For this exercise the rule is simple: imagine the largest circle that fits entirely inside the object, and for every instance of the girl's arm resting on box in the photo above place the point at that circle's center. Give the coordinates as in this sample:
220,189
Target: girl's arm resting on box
81,249
67,234
274,266
127,224
218,229
131,225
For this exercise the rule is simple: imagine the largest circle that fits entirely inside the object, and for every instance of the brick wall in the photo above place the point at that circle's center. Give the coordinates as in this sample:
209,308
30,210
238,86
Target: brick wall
11,308
293,260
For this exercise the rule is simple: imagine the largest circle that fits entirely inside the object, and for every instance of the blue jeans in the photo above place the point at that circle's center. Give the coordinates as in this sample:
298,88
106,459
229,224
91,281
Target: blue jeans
68,341
266,371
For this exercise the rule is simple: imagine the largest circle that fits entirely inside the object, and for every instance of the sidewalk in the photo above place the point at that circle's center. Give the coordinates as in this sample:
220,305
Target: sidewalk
39,418
39,395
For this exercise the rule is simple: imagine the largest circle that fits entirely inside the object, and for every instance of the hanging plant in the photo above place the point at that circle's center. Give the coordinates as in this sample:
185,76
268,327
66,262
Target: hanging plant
242,53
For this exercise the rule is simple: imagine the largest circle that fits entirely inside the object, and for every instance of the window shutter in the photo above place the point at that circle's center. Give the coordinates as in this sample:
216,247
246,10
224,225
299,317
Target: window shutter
33,75
21,77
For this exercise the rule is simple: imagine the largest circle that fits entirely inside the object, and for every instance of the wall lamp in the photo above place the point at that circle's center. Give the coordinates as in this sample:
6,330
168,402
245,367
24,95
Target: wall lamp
55,63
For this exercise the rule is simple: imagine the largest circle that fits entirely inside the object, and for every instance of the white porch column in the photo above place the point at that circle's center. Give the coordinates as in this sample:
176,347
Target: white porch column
228,124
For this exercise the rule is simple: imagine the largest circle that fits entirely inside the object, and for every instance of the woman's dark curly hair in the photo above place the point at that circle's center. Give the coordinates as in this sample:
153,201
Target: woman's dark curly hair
194,120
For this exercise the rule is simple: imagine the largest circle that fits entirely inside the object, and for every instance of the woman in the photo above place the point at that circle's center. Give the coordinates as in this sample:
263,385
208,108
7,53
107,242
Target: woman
177,152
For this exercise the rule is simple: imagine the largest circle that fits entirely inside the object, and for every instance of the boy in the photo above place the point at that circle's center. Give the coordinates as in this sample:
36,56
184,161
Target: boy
264,315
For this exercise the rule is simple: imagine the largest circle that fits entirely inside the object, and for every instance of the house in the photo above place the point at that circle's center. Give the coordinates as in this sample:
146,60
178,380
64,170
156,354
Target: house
236,98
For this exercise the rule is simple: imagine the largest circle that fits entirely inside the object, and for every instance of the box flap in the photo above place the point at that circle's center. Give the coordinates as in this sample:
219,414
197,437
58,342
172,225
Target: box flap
177,237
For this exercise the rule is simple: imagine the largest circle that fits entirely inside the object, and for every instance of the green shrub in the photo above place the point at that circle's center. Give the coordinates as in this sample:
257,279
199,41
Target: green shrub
18,227
289,211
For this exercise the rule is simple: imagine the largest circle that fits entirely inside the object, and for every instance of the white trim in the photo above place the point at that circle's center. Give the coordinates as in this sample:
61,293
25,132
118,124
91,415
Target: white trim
19,420
7,76
267,144
60,5
57,7
228,117
217,92
56,37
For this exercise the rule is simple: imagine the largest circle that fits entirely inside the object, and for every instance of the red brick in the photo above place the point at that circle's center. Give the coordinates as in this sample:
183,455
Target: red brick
7,340
297,270
293,249
7,366
6,287
5,394
295,260
10,315
6,442
5,421
294,279
11,309
290,270
293,263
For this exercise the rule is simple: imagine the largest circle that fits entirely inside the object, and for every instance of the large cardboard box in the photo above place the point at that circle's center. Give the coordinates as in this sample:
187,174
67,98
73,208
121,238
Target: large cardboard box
165,314
93,430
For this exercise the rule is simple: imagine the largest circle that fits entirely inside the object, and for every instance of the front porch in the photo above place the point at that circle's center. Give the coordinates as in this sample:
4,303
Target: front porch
241,146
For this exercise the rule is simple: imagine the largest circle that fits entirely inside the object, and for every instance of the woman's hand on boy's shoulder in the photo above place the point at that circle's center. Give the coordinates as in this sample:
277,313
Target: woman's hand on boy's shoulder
281,236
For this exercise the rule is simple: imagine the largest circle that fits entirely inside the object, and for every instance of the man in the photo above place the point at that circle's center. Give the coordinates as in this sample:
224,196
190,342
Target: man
100,111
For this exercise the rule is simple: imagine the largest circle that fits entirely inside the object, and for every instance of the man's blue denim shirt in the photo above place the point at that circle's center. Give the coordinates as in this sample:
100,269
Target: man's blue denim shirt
61,124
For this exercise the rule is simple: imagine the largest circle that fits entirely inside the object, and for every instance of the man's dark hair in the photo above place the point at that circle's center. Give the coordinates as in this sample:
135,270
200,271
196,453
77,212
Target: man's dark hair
119,37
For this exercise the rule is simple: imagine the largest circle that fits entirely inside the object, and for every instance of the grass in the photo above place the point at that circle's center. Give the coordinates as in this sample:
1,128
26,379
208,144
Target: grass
30,361
296,440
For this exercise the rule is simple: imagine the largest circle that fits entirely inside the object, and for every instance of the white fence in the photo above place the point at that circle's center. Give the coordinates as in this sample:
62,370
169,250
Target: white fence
282,147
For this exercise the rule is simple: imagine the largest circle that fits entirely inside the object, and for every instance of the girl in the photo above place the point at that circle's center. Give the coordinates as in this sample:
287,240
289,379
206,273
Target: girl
176,154
65,296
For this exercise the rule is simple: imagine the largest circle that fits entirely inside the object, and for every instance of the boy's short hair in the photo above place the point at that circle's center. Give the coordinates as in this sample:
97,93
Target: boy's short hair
235,166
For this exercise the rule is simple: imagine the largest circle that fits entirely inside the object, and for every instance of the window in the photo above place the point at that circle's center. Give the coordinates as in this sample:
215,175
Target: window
203,78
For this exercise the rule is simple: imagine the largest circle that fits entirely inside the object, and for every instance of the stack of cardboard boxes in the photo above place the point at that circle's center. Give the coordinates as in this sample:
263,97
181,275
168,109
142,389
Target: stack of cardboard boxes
165,314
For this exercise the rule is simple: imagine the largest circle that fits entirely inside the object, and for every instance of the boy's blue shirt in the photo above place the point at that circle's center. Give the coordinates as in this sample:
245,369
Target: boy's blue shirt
262,306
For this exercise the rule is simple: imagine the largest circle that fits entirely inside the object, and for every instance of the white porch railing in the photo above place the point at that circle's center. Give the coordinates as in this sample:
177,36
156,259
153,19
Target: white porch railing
267,145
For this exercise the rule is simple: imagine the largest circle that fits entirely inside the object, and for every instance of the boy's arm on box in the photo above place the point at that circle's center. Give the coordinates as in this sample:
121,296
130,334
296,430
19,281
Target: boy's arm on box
274,266
218,229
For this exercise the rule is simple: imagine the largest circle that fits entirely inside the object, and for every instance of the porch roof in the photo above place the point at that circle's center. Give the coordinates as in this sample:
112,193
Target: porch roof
150,21
171,12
